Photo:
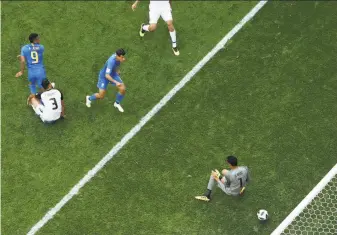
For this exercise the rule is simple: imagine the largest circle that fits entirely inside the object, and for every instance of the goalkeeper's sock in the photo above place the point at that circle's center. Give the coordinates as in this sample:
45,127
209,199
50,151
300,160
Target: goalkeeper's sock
146,27
208,193
93,97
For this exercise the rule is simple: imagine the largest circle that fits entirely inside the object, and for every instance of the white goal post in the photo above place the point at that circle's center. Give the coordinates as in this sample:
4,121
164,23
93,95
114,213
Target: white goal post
317,212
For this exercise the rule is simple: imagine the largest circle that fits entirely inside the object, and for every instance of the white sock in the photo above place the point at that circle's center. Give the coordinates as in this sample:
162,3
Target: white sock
173,38
146,27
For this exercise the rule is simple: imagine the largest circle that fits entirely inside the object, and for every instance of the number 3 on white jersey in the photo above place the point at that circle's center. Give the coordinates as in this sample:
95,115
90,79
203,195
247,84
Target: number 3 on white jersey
35,57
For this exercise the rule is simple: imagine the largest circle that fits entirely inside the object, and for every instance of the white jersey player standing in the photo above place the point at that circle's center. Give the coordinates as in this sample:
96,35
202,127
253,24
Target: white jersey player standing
48,105
159,9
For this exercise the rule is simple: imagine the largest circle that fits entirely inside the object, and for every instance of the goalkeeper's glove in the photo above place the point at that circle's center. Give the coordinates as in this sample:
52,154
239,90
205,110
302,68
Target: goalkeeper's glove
218,174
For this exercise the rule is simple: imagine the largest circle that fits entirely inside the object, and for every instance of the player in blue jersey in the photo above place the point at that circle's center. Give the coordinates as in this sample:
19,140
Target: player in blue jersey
32,55
110,74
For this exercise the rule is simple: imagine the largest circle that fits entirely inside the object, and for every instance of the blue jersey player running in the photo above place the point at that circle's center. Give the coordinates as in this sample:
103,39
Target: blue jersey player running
32,55
110,74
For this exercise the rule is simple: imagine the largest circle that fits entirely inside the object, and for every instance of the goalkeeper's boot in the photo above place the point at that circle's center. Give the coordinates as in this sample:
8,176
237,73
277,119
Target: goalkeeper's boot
142,31
217,173
203,198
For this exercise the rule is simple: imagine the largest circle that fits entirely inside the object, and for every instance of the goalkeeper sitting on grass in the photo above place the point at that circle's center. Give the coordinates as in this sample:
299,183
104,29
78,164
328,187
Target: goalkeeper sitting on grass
232,182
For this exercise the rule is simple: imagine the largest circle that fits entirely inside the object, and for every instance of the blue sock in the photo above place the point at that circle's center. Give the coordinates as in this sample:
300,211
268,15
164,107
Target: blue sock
93,97
32,89
119,98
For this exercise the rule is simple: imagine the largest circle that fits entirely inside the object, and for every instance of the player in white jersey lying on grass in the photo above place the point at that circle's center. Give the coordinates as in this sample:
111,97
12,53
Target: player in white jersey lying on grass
159,9
49,104
232,182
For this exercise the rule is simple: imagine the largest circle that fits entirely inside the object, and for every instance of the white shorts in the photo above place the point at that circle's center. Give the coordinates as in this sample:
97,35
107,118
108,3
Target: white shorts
46,116
164,13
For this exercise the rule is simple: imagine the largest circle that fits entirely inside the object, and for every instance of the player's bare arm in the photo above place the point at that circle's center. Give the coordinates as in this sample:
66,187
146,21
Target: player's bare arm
134,5
22,66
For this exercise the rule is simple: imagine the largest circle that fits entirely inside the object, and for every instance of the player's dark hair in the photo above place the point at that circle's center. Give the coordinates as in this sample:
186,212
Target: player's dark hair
33,36
45,84
232,160
120,52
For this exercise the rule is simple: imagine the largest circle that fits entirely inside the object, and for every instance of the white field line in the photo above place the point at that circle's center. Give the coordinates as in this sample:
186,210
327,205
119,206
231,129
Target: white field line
306,201
143,121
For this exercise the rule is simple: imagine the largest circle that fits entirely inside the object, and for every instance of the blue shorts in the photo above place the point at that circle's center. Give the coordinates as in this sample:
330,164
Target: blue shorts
36,76
103,82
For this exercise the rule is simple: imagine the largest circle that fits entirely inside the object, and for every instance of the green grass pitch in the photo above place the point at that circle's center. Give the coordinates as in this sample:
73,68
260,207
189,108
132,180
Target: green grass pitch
269,97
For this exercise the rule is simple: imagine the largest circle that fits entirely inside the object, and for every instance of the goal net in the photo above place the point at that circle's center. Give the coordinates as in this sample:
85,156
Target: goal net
317,213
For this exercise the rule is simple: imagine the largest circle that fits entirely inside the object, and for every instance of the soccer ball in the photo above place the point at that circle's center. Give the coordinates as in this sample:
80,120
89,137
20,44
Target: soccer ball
262,215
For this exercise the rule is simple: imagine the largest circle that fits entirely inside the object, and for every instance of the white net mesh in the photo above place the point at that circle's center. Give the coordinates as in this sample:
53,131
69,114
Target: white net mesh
320,216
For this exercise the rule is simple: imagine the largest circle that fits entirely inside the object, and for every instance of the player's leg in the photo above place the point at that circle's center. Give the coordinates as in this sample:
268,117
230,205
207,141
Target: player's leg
32,87
36,104
95,96
102,85
207,196
167,17
119,97
224,188
173,36
32,83
120,94
152,26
